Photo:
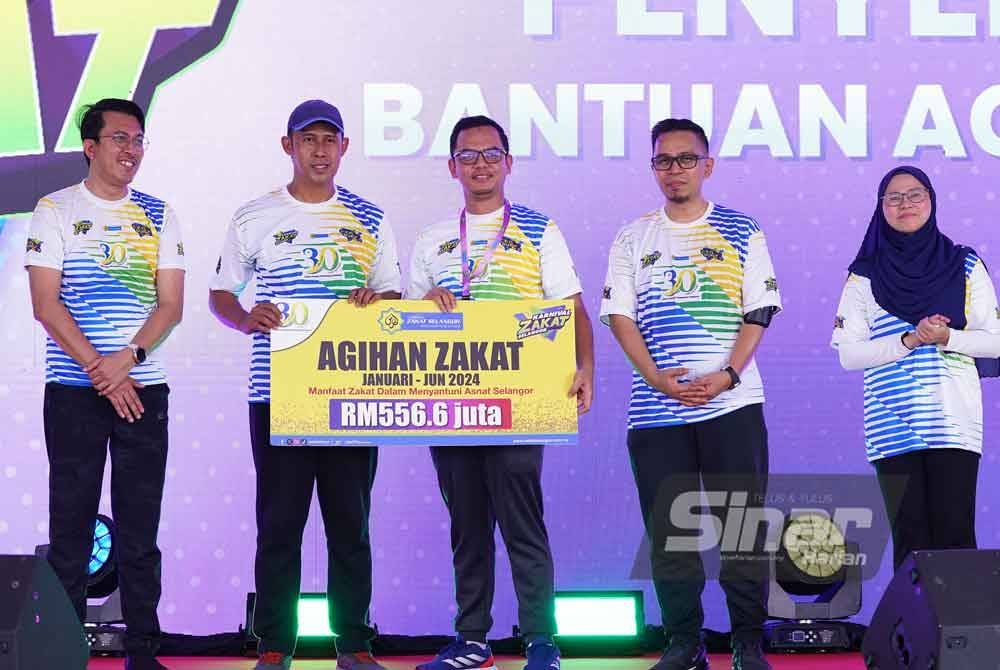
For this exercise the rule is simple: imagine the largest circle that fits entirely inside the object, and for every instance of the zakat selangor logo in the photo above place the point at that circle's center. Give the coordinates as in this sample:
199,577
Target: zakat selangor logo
391,321
546,322
58,56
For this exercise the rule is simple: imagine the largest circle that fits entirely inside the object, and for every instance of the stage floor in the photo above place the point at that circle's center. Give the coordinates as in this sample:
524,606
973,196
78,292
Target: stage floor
718,662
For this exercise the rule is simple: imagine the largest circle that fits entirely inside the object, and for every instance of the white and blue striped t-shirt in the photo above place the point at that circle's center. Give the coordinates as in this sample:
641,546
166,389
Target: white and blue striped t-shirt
930,398
530,261
295,250
108,253
687,287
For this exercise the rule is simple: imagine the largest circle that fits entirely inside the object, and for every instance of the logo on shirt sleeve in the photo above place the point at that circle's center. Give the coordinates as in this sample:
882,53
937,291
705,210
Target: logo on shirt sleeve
285,236
448,247
180,248
82,227
649,259
771,284
606,293
142,230
838,321
33,245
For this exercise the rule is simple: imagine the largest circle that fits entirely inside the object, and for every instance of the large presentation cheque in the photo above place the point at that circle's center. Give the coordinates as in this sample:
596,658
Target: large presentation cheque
402,372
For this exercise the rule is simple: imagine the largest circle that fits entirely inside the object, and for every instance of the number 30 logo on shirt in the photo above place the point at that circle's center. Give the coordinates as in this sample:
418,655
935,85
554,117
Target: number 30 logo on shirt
115,254
293,313
325,260
681,284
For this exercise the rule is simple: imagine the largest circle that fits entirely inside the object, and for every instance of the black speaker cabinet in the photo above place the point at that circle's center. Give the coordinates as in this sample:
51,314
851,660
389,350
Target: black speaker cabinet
39,629
941,611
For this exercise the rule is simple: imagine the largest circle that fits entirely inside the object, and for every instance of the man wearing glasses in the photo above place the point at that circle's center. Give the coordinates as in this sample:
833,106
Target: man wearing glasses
310,239
106,270
497,250
689,291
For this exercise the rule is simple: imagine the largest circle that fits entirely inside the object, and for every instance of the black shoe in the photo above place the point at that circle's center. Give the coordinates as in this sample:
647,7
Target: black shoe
749,656
143,662
683,653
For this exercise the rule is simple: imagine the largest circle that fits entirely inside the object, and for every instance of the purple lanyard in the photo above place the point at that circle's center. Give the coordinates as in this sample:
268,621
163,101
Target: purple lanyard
468,273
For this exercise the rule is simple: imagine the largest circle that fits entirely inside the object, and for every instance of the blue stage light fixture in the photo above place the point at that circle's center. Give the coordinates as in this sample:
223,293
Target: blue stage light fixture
102,577
103,543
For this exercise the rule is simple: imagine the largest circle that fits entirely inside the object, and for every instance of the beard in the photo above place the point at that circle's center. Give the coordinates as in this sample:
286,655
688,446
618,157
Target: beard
679,199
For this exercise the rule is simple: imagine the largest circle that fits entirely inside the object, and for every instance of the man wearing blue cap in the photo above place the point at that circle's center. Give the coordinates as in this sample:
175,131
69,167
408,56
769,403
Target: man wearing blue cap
313,239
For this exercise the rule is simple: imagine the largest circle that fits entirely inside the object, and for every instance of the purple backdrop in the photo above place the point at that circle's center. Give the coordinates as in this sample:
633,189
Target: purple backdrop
215,131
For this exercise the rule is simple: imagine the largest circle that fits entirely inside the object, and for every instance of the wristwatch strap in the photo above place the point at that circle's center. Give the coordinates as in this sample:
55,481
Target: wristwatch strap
734,377
138,353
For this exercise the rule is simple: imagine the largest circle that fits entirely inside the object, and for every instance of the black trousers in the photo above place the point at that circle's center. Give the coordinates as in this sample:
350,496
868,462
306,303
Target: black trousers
933,493
343,479
728,454
483,487
79,428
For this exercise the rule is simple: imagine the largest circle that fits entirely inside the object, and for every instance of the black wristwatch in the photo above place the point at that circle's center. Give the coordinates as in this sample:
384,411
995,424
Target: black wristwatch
734,378
138,353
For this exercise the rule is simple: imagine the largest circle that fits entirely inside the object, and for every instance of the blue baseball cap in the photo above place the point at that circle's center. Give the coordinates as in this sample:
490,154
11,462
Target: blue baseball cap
312,111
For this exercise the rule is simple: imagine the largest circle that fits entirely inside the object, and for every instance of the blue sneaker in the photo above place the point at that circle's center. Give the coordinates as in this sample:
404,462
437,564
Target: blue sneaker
542,656
462,655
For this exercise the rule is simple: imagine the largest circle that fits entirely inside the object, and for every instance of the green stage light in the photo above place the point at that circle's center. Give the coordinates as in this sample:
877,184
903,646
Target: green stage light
314,631
314,616
606,622
596,615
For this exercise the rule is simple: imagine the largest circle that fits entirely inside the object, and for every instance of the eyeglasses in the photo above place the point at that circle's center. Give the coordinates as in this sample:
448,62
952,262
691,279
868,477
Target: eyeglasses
915,196
664,162
471,156
124,141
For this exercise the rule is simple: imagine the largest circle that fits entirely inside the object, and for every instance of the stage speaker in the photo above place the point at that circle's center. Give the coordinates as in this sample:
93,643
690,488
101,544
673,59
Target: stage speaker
941,611
39,629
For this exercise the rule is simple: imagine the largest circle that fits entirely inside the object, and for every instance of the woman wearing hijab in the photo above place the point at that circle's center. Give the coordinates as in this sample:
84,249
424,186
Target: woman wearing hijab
916,310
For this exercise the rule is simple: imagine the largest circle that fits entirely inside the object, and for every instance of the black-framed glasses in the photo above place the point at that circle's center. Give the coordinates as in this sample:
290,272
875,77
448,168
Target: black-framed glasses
471,156
124,141
664,162
914,196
